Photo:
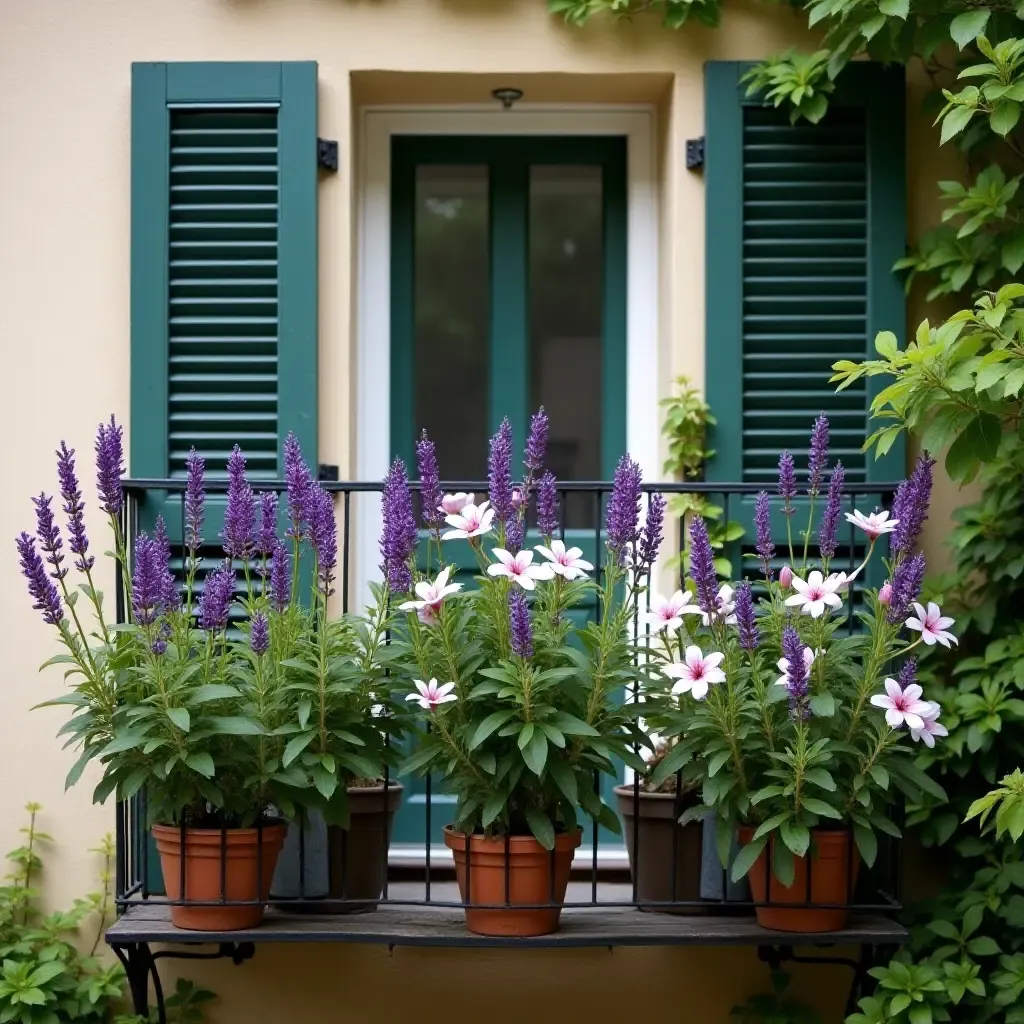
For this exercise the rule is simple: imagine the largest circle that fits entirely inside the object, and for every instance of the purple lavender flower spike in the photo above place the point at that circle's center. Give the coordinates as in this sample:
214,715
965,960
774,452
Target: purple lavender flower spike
519,620
796,673
499,473
239,534
547,505
195,497
763,531
651,535
323,535
536,443
259,634
787,482
908,673
147,584
218,596
110,467
430,482
49,536
624,506
162,557
74,508
906,585
829,529
41,588
746,620
398,539
280,577
159,645
817,459
266,539
299,480
910,507
514,530
702,567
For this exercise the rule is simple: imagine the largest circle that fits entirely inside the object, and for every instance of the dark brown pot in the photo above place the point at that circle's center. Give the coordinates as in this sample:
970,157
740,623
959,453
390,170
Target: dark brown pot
650,864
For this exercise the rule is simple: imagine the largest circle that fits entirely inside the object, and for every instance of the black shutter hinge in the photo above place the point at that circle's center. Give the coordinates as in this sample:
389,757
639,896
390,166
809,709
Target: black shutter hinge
327,154
694,153
327,474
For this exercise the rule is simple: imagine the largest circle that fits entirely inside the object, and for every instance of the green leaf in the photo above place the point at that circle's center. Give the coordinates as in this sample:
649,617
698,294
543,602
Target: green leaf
866,842
1004,118
492,807
880,775
565,778
966,27
201,762
234,725
213,691
954,122
796,837
535,753
821,778
983,946
746,858
920,1014
823,705
295,746
492,722
571,725
180,717
820,808
541,827
895,8
977,444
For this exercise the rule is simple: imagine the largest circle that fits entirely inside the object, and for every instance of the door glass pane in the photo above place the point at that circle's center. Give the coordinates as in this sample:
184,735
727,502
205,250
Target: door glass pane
566,297
452,304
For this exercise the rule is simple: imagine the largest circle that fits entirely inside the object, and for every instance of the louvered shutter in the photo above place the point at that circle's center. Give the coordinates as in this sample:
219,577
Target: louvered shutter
224,270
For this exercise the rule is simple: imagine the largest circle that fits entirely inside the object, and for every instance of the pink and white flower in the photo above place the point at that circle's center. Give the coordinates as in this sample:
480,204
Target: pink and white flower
874,524
453,504
785,577
783,664
519,568
471,521
430,695
932,625
430,596
667,612
565,563
726,607
697,673
902,706
932,726
817,593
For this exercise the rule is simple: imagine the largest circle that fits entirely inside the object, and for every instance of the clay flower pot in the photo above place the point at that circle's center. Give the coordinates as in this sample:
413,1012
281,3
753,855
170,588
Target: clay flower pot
650,863
535,876
241,879
796,907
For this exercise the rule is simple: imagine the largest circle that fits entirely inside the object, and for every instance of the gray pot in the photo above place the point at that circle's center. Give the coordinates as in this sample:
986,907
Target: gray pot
715,881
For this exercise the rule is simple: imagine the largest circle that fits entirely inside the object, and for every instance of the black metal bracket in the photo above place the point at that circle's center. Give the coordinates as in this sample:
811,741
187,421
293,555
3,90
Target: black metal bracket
327,473
327,154
139,963
694,153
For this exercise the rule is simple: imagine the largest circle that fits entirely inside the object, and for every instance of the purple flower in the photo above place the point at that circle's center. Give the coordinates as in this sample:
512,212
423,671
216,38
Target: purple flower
796,672
266,539
49,536
323,536
280,577
299,480
398,539
536,444
168,588
514,530
702,567
547,505
41,588
519,620
195,497
148,585
817,459
906,582
908,673
624,506
218,596
240,515
110,466
910,507
649,543
430,482
763,531
499,473
74,508
787,482
829,527
259,634
746,620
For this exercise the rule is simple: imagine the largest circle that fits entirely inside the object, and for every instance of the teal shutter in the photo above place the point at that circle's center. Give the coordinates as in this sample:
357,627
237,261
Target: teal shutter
804,223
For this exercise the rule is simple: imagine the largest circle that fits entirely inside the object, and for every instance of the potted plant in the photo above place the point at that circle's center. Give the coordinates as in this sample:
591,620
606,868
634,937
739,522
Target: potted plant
520,715
806,761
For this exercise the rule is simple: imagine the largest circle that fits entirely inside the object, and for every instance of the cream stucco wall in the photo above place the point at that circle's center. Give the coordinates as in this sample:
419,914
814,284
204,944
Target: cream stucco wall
64,276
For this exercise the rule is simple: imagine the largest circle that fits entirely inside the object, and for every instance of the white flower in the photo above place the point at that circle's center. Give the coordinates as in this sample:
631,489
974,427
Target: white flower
874,525
565,563
472,521
817,592
783,664
902,705
668,612
518,568
932,726
431,595
697,673
430,694
932,625
726,607
453,504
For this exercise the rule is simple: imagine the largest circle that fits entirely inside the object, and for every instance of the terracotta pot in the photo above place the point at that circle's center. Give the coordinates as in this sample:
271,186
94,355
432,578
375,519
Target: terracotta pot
832,881
242,875
650,863
530,881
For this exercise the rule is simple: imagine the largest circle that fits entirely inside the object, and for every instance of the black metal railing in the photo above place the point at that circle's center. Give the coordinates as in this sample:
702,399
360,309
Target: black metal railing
874,890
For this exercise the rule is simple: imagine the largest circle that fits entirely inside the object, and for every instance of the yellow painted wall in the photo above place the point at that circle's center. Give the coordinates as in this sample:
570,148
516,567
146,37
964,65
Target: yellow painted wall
64,276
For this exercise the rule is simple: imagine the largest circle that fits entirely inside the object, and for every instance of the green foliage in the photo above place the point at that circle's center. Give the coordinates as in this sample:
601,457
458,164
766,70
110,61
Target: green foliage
1005,804
49,973
801,80
674,13
774,1007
